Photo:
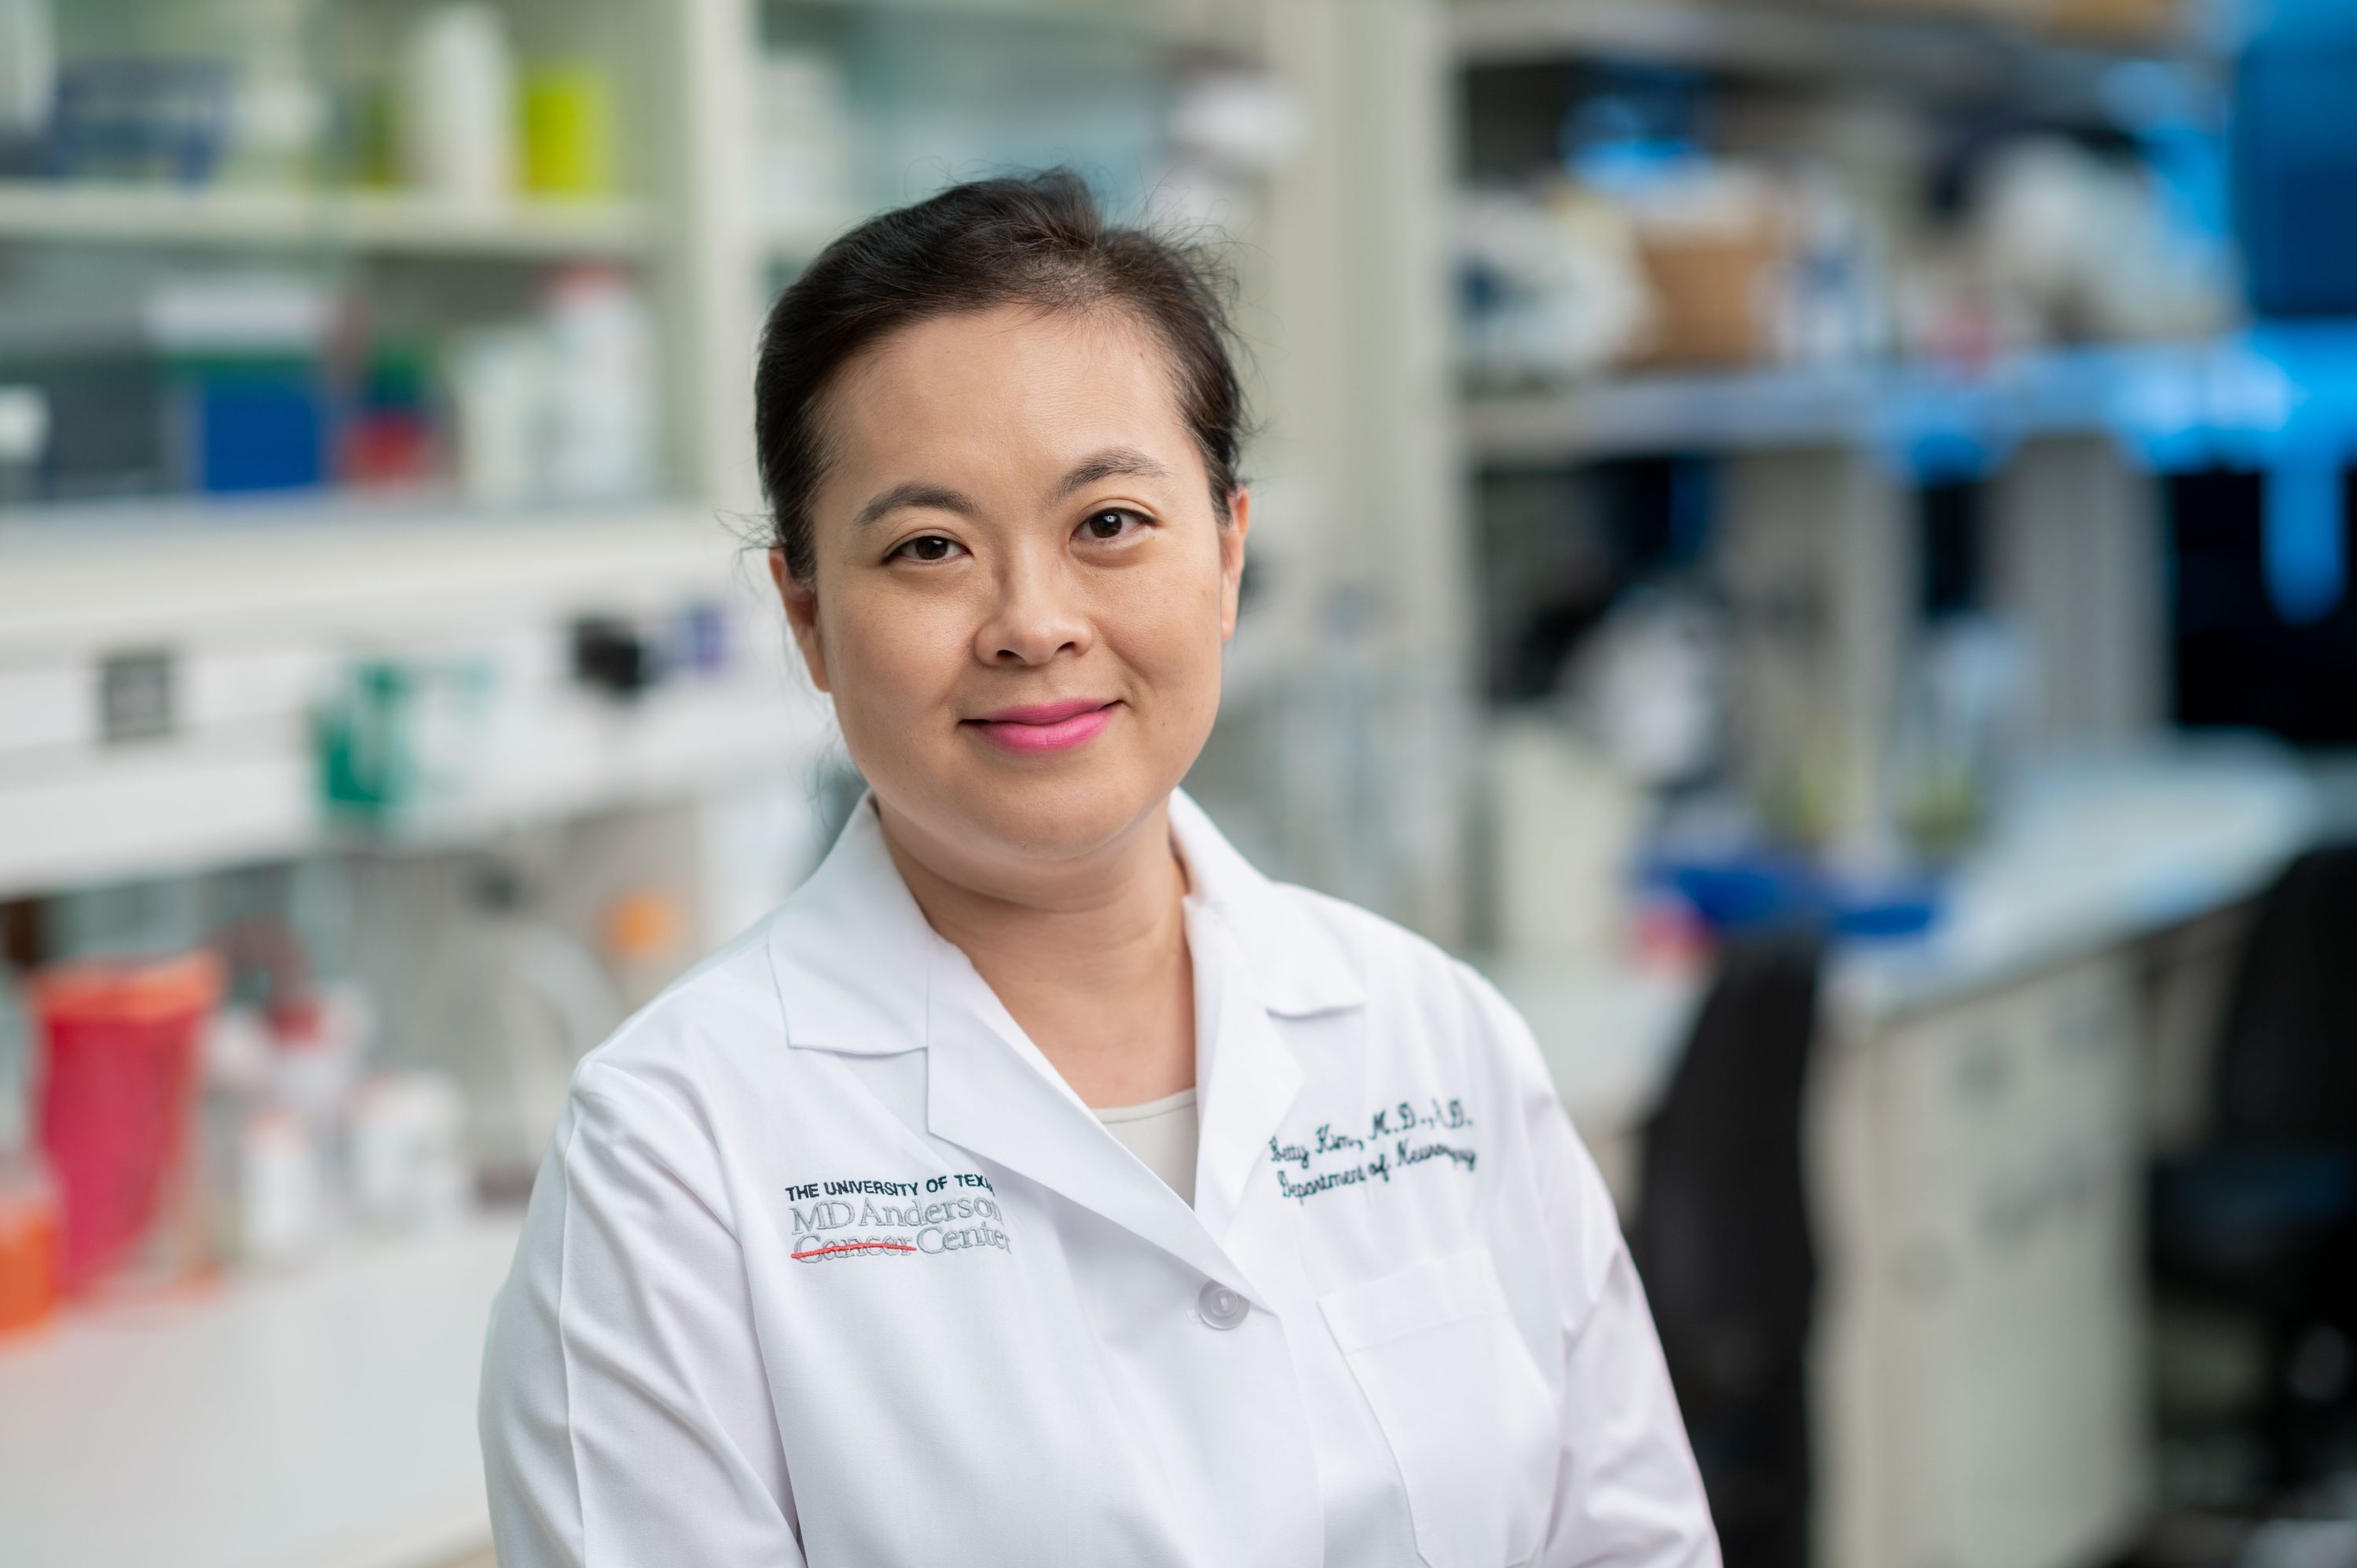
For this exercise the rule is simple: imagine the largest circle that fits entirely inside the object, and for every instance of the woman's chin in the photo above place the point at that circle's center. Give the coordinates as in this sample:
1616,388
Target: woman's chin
1064,813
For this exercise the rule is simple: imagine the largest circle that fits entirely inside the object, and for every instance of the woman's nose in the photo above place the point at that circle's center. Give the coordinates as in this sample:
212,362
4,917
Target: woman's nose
1036,616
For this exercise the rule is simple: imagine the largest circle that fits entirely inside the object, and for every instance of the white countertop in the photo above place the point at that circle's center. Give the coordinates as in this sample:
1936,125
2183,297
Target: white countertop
321,1419
2085,854
2088,853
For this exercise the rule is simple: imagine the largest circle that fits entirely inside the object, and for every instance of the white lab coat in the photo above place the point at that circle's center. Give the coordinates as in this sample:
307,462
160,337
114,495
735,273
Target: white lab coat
826,1264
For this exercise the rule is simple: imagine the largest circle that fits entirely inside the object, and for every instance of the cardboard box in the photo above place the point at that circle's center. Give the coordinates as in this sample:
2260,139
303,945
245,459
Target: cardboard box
1712,289
2113,21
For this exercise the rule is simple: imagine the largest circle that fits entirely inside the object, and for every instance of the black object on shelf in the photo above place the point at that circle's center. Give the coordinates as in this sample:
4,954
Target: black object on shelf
613,657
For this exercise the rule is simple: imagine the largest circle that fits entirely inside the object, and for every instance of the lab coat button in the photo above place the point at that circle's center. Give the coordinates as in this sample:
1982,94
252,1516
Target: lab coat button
1220,1307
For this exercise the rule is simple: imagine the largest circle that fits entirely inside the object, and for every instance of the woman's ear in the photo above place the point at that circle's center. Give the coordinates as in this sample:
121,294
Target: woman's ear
1232,558
801,614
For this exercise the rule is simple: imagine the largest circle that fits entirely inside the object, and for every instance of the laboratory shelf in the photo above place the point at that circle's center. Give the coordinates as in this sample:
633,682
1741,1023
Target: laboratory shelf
392,221
1176,22
258,610
2140,393
1957,51
252,794
323,1418
77,576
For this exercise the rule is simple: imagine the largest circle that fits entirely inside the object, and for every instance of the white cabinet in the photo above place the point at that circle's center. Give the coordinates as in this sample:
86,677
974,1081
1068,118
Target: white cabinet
1982,1341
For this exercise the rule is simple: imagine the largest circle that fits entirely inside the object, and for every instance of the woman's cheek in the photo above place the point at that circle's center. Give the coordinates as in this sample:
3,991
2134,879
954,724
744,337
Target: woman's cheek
1177,647
895,663
1169,617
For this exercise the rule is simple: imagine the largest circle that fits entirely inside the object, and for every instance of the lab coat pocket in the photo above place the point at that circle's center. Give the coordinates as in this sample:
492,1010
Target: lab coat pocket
1461,1403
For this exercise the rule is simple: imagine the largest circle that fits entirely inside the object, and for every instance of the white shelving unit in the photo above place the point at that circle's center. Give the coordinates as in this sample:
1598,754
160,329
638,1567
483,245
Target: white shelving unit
258,603
261,608
79,585
368,220
101,576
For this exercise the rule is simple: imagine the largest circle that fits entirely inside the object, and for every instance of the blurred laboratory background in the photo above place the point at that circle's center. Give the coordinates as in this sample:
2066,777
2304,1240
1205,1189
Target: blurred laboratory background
1810,540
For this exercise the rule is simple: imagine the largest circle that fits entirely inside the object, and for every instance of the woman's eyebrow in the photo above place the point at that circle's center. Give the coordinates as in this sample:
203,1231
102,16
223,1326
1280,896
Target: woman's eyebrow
1112,462
915,493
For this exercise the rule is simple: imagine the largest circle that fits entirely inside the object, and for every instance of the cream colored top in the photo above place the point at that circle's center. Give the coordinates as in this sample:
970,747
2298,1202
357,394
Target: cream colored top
1162,1133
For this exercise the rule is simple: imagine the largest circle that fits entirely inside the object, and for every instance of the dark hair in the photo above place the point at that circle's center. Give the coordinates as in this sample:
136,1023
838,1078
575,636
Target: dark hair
1037,239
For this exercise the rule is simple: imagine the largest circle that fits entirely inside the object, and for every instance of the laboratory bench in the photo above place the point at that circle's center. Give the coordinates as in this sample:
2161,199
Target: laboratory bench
1981,1104
323,1418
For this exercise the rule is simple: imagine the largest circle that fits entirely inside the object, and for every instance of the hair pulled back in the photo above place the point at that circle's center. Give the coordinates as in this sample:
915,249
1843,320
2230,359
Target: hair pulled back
1038,240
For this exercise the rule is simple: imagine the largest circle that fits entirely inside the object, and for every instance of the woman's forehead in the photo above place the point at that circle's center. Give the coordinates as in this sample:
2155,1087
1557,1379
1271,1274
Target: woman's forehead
1011,387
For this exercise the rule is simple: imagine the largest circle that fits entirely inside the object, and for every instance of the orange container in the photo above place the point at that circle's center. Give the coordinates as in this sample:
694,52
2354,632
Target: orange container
28,1245
118,1098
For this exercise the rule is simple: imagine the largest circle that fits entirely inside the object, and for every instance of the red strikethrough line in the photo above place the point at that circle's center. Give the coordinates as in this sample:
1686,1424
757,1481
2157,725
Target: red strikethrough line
854,1247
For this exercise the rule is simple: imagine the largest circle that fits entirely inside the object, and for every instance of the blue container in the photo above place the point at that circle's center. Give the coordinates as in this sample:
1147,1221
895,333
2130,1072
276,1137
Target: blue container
1739,889
256,428
2295,152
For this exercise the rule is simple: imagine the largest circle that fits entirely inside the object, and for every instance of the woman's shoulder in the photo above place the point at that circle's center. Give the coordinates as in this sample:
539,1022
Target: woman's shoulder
1404,974
705,1025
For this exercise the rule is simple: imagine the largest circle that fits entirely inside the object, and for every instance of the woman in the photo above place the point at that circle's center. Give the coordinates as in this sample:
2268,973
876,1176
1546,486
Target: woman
1040,1184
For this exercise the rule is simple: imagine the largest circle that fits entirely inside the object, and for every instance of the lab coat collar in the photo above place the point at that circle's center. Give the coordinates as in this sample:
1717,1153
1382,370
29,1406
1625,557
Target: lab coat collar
851,952
856,960
1298,967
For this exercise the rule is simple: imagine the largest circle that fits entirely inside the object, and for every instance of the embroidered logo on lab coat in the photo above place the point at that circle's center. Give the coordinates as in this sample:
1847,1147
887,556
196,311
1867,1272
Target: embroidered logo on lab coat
1399,1137
864,1218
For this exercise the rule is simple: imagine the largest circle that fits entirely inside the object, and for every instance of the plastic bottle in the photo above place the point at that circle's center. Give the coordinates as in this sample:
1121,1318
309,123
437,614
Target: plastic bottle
29,69
601,387
456,102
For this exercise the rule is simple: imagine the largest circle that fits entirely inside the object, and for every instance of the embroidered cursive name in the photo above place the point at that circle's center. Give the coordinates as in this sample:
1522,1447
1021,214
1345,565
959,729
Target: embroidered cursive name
1333,1157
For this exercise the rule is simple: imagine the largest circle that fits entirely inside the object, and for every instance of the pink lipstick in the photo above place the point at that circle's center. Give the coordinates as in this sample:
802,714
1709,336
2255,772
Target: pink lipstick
1047,726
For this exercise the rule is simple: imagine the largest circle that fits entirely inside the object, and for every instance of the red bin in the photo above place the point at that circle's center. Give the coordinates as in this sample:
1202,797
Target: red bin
120,1063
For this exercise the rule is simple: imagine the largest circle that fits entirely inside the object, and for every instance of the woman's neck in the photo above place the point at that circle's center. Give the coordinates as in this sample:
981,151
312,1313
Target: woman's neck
1090,958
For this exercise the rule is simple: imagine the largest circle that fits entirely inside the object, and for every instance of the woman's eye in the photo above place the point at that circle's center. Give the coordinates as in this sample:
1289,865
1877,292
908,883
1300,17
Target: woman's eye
1110,524
929,547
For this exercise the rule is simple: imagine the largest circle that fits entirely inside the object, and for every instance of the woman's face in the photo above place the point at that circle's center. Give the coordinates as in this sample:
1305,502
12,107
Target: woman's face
1019,589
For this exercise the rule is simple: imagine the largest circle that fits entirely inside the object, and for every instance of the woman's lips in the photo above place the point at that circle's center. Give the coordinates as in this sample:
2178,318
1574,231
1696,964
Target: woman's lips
1049,726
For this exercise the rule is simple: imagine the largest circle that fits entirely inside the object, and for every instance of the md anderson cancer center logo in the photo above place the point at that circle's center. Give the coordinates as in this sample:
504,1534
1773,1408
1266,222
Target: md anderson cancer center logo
868,1219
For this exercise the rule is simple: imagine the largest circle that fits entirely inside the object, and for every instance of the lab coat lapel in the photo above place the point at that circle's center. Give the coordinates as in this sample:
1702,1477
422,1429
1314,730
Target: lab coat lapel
1262,953
1249,1078
989,1091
